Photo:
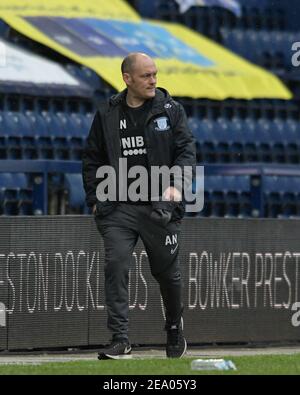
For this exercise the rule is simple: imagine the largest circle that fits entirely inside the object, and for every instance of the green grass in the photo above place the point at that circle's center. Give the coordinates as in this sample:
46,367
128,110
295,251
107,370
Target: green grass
246,365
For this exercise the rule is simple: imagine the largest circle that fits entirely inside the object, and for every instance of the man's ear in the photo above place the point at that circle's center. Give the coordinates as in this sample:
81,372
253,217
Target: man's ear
127,78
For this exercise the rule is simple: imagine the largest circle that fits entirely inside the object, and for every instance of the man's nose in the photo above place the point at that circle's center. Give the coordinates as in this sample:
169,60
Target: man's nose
153,80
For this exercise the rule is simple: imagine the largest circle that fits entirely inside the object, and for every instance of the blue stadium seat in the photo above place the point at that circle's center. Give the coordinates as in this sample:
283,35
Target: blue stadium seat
76,196
89,117
25,195
290,136
75,125
213,197
6,183
78,122
58,130
10,136
235,140
205,144
43,139
28,140
22,126
247,137
263,138
223,134
3,138
227,196
37,124
282,196
15,195
216,195
57,125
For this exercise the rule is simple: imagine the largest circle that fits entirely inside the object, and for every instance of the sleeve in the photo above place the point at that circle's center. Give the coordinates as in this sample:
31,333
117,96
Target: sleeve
94,156
185,149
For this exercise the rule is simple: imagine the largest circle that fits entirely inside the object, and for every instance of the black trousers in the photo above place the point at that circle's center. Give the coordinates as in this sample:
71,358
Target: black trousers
120,231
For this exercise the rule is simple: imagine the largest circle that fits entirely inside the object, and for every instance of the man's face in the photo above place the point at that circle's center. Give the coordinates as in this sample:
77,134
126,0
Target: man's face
141,81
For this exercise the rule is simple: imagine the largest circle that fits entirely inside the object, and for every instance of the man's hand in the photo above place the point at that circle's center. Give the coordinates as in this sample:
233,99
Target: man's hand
94,209
172,194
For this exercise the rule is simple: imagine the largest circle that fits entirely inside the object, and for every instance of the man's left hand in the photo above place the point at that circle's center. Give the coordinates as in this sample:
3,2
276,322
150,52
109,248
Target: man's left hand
172,194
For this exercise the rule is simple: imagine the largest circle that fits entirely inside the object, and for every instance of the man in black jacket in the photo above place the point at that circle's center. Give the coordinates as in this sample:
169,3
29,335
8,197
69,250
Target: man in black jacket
139,128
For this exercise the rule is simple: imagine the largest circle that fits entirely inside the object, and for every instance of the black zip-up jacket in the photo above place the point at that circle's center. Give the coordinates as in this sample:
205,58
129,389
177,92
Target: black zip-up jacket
175,146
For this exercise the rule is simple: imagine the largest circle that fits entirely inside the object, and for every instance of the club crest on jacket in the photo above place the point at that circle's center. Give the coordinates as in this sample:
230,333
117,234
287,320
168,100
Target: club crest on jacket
162,124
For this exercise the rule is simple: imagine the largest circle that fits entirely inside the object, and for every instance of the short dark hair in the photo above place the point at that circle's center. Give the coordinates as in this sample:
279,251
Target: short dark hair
128,62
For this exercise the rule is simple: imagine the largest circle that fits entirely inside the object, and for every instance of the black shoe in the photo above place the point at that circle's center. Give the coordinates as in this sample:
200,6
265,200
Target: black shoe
176,343
118,349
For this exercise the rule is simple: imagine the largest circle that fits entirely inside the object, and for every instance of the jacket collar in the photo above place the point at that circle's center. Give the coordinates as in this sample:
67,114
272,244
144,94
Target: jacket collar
161,97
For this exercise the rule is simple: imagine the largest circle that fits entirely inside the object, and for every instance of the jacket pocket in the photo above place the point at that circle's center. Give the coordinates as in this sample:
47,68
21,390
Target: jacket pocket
178,212
104,208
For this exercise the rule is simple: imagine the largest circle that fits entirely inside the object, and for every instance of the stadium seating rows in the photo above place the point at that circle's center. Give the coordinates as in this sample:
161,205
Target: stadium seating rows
270,49
225,196
230,196
42,136
59,135
256,14
260,34
282,196
49,135
246,140
45,135
16,196
16,193
231,131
